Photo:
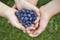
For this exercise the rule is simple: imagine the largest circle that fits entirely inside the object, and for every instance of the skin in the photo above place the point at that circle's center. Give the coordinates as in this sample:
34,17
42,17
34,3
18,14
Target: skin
53,6
47,11
34,2
9,13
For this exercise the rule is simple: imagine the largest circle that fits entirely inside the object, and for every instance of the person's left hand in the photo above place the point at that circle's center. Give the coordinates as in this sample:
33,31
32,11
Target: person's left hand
9,13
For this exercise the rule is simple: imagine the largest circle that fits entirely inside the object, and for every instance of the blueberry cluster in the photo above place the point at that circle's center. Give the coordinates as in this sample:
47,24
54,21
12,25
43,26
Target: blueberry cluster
26,17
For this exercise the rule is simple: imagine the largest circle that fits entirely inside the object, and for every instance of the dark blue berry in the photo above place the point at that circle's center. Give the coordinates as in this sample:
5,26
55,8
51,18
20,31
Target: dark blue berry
29,15
25,25
26,18
17,14
23,10
24,14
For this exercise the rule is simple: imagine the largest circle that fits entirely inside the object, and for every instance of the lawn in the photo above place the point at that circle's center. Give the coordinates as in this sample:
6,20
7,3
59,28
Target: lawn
8,32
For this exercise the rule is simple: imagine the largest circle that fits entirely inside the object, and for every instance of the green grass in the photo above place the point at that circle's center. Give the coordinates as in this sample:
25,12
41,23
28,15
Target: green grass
8,32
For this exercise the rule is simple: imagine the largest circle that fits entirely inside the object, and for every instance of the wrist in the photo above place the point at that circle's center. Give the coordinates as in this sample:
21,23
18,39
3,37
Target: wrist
3,8
6,11
52,8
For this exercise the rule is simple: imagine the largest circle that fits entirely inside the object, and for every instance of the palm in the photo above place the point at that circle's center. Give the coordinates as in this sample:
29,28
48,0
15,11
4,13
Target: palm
13,19
29,6
43,23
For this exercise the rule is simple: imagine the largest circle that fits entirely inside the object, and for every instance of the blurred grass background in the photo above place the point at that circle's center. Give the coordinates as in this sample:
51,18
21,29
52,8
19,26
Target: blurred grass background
8,32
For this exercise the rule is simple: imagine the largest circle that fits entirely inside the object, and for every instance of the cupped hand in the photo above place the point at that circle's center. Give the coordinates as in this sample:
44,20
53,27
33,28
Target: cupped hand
46,11
19,4
44,19
10,14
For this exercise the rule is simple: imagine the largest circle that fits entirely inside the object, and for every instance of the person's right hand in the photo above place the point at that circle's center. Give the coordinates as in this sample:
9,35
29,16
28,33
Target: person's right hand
46,11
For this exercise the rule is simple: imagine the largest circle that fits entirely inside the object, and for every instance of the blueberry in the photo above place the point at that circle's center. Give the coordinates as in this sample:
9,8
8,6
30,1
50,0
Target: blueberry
27,11
16,13
20,21
21,14
31,12
22,18
31,18
35,18
26,18
25,25
30,22
29,15
23,10
25,15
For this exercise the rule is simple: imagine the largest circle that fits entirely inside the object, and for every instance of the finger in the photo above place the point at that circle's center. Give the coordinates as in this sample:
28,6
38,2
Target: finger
32,7
19,3
14,6
24,4
37,25
43,25
34,27
38,16
31,27
19,24
31,34
37,20
34,2
31,30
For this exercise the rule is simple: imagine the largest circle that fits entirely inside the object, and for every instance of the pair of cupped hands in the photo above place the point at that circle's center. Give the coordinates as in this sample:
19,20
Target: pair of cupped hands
40,23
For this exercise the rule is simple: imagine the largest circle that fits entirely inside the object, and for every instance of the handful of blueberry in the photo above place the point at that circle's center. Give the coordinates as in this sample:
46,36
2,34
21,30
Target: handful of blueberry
26,17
